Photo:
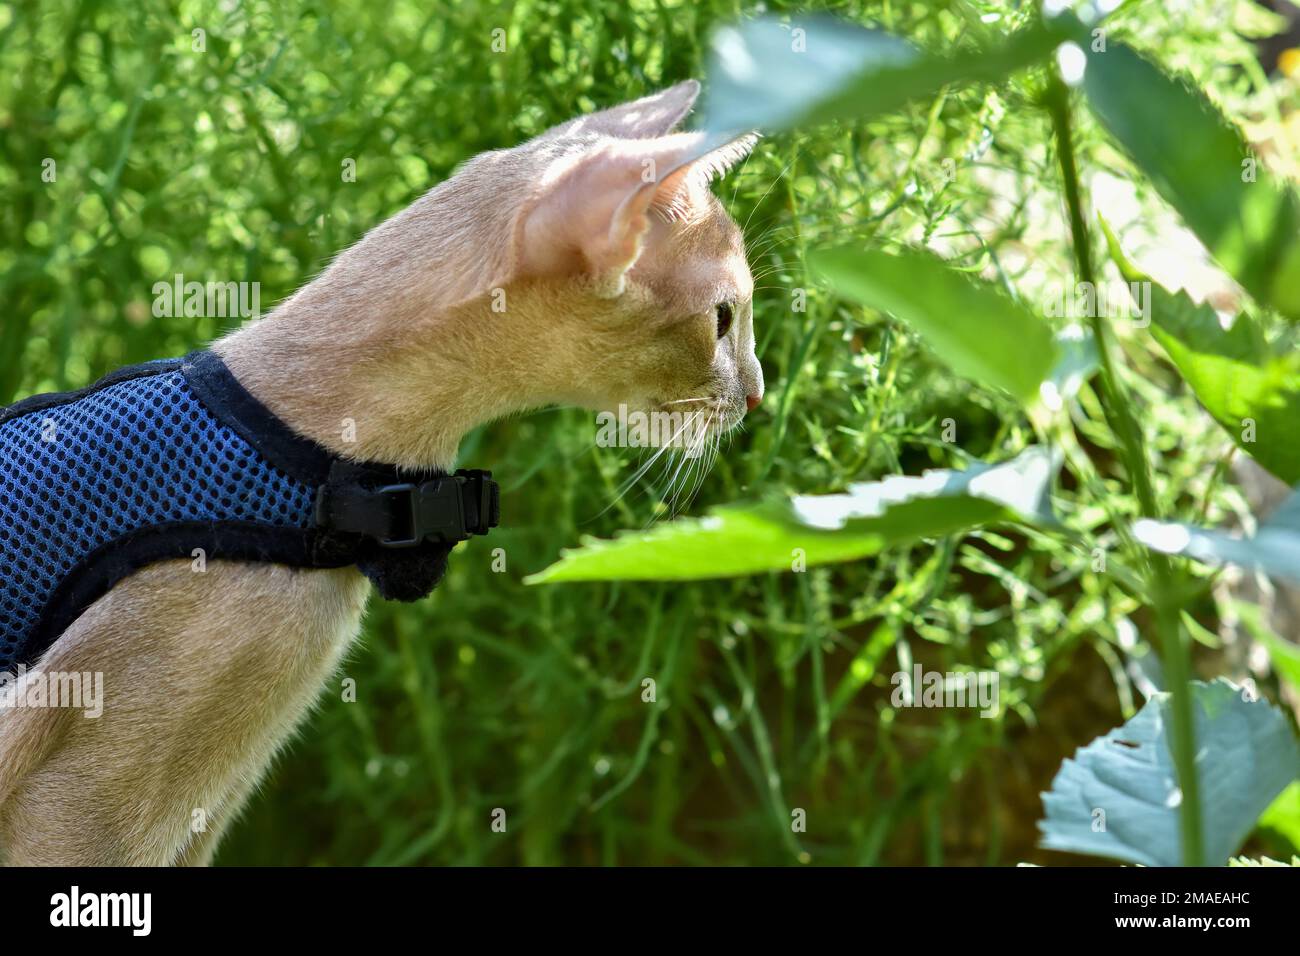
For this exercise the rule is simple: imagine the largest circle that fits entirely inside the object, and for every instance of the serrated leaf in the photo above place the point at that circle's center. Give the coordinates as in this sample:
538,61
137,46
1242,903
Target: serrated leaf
977,329
765,75
1246,755
747,539
1200,164
1262,861
1274,549
1233,371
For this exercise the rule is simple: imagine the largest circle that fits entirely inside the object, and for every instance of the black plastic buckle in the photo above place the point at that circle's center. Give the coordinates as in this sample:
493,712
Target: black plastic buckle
403,511
482,500
447,509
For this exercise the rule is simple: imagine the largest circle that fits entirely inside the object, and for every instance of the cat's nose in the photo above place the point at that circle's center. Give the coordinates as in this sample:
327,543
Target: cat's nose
751,401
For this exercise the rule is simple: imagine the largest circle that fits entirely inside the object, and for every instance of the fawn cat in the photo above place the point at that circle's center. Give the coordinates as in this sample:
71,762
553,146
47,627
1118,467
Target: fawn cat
590,266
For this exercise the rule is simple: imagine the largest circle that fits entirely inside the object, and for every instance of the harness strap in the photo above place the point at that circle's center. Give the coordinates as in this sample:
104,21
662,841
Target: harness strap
353,500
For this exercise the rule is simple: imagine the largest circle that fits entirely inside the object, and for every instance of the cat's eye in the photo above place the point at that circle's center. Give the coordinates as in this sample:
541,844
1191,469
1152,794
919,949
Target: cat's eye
724,314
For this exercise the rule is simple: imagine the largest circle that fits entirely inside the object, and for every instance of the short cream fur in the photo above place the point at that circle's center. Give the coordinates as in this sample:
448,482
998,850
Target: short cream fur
609,255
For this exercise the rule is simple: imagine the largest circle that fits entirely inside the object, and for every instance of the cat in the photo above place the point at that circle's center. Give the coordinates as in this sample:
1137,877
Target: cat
589,267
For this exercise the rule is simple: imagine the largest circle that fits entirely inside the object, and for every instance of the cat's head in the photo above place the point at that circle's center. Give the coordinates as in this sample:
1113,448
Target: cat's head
620,251
589,266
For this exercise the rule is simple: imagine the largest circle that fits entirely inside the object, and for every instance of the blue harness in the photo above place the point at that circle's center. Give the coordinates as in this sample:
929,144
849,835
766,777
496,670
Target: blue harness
176,459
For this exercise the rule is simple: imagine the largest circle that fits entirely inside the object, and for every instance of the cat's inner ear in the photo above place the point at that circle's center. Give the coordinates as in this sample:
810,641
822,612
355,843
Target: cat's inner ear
592,216
679,196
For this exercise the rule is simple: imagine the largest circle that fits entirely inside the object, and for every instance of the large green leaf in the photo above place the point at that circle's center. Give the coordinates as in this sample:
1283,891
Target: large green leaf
982,333
764,75
1118,797
1274,549
818,529
1234,372
1195,159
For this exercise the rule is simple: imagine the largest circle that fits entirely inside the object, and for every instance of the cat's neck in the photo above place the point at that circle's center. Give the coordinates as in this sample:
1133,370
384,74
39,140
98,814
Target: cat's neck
359,379
394,352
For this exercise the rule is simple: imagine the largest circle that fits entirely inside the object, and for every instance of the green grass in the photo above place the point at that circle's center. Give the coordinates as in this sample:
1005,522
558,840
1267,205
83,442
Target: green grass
772,692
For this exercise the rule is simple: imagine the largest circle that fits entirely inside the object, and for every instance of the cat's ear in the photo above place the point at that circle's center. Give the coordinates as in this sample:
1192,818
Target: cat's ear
646,118
592,216
680,193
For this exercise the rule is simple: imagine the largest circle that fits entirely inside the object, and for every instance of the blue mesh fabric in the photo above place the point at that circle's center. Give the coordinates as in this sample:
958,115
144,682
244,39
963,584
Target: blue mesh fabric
129,456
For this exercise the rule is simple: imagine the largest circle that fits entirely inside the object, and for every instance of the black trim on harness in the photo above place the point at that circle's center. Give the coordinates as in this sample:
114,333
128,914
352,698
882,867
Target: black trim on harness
397,509
96,573
235,407
397,527
36,403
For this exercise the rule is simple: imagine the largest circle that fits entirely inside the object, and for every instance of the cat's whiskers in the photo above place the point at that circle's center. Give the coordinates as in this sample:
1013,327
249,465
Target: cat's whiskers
715,445
773,252
683,401
738,173
691,451
671,491
775,269
768,192
775,229
701,467
772,239
659,453
698,461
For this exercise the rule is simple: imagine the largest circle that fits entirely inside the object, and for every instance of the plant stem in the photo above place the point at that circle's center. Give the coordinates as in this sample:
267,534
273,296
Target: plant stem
1162,578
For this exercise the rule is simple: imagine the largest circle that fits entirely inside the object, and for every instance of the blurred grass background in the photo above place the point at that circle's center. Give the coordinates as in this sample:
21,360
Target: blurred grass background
772,692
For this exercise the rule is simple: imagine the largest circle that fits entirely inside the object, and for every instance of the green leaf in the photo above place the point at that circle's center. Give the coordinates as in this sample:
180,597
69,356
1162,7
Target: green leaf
1283,815
818,529
1234,372
982,333
1195,159
1126,780
1274,549
863,666
763,75
1286,660
1077,359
